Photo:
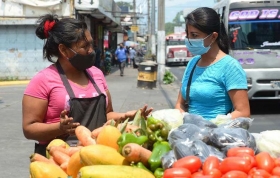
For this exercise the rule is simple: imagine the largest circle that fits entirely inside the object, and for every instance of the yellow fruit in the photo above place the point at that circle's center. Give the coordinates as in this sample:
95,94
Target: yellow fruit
74,165
55,142
101,154
109,136
106,171
40,169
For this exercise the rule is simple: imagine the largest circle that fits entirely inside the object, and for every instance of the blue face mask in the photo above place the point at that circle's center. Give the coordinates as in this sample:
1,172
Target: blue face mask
196,46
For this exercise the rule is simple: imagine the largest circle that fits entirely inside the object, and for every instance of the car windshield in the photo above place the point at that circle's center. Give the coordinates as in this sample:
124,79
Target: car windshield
251,29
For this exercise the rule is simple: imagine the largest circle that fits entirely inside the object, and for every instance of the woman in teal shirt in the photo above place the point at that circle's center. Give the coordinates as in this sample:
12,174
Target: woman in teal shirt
218,84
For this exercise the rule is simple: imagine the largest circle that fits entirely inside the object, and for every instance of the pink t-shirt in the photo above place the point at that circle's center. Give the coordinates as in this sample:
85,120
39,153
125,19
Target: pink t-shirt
48,85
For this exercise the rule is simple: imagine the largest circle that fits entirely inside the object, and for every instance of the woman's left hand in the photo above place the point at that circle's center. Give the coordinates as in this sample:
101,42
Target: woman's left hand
144,112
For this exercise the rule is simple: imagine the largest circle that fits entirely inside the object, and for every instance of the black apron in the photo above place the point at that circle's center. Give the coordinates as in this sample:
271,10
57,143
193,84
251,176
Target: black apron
89,112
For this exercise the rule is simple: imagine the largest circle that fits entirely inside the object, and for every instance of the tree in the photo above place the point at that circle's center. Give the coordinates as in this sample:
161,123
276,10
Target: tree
169,28
124,4
177,20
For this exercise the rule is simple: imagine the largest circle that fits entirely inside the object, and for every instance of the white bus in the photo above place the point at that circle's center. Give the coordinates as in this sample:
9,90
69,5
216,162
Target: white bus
254,31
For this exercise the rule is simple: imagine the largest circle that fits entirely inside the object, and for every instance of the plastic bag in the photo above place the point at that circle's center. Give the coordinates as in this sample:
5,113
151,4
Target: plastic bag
188,132
181,150
172,118
268,141
221,119
226,138
168,159
240,122
198,121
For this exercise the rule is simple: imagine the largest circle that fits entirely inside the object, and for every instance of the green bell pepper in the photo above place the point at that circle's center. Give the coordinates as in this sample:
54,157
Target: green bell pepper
141,165
126,138
160,148
156,130
159,173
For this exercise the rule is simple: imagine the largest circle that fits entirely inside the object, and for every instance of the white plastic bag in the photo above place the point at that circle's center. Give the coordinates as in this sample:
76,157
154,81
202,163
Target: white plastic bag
172,118
268,141
221,119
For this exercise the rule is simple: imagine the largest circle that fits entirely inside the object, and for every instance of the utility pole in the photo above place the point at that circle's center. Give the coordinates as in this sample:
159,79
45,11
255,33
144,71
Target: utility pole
134,20
161,40
153,21
149,25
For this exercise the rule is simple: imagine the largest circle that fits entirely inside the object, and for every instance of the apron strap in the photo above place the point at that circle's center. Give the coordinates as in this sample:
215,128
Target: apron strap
93,82
65,80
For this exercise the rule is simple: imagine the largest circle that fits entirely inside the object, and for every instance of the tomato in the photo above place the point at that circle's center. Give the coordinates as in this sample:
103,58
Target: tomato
274,176
210,163
177,172
235,164
197,174
249,157
265,161
276,171
259,173
192,163
235,174
215,173
236,150
277,161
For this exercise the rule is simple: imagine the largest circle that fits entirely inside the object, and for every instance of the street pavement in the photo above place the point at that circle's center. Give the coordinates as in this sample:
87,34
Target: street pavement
15,149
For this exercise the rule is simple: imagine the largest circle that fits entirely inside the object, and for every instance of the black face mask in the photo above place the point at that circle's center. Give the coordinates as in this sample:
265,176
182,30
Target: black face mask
82,62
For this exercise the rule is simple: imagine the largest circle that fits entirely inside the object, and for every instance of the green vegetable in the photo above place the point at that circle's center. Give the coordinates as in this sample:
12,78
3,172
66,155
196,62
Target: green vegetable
159,173
156,130
126,138
160,148
140,165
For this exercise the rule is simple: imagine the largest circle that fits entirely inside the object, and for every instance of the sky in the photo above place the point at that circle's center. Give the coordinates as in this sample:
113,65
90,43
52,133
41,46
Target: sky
172,7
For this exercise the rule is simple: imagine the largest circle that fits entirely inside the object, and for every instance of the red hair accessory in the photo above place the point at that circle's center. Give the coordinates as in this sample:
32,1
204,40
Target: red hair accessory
47,27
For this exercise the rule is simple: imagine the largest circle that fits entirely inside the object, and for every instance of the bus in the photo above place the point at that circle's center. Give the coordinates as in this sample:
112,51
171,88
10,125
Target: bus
253,27
176,50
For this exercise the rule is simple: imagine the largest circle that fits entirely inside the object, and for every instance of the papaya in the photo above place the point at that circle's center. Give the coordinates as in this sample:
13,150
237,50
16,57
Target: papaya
39,169
116,171
56,142
101,155
74,165
109,136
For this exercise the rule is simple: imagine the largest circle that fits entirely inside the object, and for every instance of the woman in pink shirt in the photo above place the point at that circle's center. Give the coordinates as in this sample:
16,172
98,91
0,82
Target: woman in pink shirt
69,92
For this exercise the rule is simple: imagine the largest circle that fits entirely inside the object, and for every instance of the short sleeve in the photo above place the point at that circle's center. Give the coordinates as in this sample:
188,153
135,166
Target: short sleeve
234,76
38,87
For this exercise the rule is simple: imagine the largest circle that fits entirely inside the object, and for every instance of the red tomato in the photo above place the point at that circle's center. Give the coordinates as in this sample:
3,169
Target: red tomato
276,171
265,161
210,163
277,161
197,174
235,174
235,164
202,176
274,177
192,163
215,173
234,151
259,173
249,157
177,172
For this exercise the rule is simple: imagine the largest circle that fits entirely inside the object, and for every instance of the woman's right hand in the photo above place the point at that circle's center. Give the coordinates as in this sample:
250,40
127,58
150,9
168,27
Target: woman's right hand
67,125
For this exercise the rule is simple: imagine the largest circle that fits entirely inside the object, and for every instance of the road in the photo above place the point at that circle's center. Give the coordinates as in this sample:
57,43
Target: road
266,114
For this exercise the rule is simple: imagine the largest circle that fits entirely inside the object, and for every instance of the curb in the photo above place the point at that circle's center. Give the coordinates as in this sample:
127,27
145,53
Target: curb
8,83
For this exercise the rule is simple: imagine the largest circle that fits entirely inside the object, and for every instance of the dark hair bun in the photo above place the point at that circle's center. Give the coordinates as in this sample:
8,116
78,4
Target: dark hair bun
42,20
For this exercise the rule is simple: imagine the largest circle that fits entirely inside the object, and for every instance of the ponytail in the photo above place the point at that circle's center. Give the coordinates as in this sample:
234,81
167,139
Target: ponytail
223,39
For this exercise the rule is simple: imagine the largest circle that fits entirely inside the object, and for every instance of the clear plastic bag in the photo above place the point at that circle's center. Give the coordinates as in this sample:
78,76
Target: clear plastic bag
181,150
188,132
168,159
172,118
240,122
225,138
198,121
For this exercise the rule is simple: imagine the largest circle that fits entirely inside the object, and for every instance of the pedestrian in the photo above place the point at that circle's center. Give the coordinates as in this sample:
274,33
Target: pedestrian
97,62
127,56
121,55
132,54
71,91
213,83
107,61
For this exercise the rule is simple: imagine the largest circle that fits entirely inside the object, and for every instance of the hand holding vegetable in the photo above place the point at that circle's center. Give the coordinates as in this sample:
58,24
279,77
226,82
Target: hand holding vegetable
66,123
144,112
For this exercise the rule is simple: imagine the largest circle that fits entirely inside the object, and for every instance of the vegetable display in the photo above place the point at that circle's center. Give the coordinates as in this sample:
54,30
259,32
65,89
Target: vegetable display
146,147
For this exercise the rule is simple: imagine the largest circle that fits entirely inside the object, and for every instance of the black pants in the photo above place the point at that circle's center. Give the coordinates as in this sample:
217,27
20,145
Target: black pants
40,149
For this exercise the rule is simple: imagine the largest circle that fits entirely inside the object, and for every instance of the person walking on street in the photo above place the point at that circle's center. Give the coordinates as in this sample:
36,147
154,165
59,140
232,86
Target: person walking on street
107,61
71,91
121,56
132,54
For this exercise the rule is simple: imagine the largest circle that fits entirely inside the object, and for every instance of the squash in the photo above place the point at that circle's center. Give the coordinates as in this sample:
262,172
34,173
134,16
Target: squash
40,169
115,171
109,136
74,165
101,154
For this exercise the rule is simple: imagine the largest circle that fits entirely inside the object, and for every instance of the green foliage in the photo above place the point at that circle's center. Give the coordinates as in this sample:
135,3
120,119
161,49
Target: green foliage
168,77
124,4
177,20
169,26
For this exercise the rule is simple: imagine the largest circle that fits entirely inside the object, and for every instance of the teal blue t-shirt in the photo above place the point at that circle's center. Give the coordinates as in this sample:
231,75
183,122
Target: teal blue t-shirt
210,85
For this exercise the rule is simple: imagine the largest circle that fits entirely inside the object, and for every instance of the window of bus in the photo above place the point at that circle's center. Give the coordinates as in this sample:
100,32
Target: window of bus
256,28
